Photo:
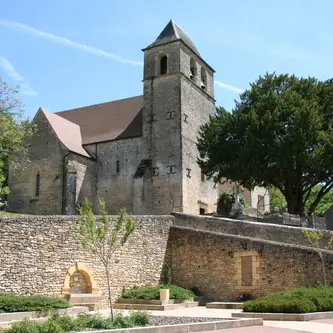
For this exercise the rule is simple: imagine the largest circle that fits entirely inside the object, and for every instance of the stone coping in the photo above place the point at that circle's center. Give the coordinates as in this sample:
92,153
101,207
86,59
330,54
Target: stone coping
151,301
193,327
225,305
18,316
285,316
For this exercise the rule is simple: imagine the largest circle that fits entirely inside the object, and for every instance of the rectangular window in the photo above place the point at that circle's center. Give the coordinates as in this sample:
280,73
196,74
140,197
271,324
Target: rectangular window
37,184
202,176
261,203
202,211
117,167
247,273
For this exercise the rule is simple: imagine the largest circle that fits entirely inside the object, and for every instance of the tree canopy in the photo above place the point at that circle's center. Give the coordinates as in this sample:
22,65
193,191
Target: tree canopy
14,129
280,133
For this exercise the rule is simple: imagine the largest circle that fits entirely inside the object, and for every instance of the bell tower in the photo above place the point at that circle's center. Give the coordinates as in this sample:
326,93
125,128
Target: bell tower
178,98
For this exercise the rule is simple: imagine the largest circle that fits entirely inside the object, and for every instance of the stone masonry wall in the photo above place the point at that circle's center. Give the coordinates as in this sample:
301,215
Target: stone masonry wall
37,251
211,263
263,231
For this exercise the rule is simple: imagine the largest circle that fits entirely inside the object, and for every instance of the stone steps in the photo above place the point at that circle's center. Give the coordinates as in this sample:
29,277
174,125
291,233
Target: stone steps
225,305
152,307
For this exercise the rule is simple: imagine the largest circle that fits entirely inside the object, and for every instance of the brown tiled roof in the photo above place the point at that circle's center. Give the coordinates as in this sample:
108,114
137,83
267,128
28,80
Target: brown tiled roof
67,132
118,119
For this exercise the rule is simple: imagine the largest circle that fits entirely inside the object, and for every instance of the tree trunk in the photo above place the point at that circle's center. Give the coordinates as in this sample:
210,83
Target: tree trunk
109,290
295,202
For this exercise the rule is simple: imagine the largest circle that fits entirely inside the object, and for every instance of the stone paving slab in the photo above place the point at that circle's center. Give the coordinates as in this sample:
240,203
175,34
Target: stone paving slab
324,321
256,329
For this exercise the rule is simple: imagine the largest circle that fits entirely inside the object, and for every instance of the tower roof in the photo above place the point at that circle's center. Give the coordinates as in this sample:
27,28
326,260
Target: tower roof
173,32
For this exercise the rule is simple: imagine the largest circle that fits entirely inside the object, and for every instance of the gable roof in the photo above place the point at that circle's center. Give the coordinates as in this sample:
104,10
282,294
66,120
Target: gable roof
118,119
173,32
67,132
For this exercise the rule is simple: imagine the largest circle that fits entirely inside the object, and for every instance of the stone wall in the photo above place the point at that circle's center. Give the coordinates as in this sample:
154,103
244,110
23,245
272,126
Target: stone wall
263,231
117,187
212,263
37,251
44,156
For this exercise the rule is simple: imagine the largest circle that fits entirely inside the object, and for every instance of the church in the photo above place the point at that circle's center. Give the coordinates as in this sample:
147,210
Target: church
137,153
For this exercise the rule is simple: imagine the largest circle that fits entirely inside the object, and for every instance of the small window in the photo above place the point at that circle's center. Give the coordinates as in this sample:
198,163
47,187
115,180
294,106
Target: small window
202,211
203,178
37,184
163,65
192,68
203,78
117,166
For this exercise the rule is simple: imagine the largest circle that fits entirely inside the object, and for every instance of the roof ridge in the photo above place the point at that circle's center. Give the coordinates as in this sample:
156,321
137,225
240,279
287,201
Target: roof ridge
97,104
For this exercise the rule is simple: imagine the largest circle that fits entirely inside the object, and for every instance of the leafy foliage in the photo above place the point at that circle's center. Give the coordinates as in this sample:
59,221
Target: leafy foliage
280,133
299,300
153,292
14,130
65,324
102,238
16,303
226,201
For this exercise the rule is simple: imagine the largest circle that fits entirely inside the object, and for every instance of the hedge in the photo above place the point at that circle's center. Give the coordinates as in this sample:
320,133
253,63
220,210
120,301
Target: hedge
298,300
153,292
17,303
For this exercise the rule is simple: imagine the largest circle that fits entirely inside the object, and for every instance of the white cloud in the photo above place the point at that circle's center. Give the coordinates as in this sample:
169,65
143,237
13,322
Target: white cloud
11,71
229,87
67,42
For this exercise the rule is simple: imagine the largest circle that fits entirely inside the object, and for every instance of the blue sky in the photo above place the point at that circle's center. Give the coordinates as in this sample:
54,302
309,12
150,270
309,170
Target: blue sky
67,54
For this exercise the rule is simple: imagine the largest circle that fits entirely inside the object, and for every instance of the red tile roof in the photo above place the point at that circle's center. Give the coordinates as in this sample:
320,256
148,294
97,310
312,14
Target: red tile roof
118,119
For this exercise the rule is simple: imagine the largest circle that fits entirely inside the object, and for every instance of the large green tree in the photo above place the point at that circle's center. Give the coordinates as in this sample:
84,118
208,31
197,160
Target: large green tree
280,133
14,129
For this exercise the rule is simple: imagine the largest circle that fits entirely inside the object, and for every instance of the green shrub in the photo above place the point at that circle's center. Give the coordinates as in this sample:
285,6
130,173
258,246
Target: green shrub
16,303
64,324
139,318
298,300
153,292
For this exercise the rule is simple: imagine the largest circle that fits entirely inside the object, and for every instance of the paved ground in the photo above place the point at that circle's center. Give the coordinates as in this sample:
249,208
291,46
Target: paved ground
317,326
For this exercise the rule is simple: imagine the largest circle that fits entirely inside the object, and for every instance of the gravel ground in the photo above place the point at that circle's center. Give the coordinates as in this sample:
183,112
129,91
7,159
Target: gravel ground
163,320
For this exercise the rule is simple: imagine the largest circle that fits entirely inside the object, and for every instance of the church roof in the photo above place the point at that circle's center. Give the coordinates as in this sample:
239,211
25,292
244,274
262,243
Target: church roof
108,121
173,32
67,132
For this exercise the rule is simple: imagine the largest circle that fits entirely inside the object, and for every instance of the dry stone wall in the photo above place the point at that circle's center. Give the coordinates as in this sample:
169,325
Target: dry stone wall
37,251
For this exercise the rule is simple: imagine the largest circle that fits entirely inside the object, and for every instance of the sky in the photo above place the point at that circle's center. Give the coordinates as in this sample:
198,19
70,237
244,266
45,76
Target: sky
66,54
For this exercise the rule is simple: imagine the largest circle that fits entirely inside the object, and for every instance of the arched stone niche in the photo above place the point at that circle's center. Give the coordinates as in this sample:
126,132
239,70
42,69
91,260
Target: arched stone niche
79,280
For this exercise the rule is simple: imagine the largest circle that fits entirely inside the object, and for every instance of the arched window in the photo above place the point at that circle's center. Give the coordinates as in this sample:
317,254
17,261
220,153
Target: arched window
37,184
193,68
163,65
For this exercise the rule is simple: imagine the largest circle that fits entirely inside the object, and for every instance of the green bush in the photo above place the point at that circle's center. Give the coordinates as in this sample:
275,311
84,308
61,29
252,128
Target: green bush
16,303
153,292
65,324
298,300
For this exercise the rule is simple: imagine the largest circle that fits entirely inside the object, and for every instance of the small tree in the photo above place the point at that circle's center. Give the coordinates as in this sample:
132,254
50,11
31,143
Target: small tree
102,238
315,237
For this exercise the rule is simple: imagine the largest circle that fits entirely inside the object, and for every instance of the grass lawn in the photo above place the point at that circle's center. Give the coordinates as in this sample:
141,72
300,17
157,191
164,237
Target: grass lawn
8,213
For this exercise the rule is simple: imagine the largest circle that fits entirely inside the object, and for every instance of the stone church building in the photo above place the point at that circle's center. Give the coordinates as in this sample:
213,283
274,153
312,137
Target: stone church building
139,153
